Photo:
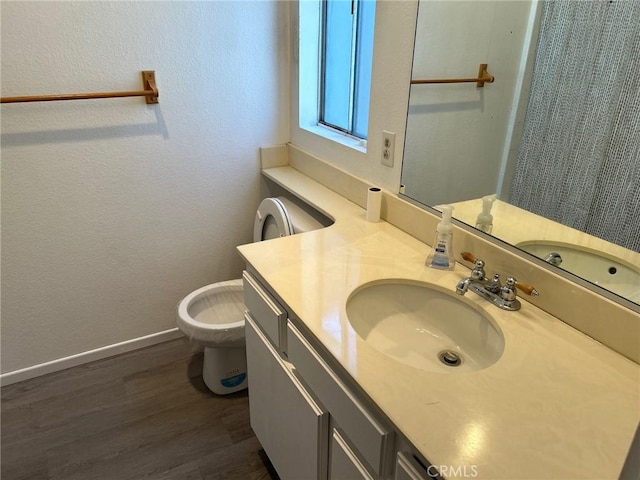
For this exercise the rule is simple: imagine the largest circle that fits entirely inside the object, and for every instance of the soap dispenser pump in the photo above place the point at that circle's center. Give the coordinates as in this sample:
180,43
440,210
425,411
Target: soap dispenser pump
442,254
484,221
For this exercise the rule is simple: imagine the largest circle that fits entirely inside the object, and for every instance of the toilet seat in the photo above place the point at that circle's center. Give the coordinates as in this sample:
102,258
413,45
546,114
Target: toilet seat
214,314
272,221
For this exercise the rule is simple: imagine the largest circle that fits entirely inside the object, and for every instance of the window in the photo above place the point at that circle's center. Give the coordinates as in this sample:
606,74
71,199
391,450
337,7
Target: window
347,46
335,59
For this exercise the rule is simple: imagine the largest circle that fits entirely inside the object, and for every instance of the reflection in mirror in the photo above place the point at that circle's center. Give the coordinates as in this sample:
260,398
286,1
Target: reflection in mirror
556,138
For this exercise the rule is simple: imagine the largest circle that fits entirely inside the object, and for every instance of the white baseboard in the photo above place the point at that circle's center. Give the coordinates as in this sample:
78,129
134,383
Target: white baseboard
88,356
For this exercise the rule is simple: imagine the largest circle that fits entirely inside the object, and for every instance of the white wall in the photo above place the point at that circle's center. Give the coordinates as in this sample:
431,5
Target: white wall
113,210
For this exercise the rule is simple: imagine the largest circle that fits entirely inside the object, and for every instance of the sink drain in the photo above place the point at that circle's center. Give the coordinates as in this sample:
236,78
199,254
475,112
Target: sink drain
450,358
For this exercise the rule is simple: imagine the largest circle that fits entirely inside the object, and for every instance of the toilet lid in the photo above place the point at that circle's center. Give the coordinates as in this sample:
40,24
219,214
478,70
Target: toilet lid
272,221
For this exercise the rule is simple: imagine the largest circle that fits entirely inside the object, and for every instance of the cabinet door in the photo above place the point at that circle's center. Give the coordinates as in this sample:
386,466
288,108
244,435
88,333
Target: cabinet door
290,425
344,463
408,469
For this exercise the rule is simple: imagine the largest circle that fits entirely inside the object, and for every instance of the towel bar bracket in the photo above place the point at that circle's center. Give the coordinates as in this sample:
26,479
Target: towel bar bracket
149,83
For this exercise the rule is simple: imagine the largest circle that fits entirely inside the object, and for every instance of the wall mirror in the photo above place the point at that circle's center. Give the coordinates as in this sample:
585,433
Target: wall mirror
552,147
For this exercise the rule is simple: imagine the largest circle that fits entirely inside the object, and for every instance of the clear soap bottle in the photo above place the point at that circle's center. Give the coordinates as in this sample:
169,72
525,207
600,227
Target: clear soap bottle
484,221
441,256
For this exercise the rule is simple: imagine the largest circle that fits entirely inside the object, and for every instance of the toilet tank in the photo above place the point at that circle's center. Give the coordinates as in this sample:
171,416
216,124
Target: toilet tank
304,217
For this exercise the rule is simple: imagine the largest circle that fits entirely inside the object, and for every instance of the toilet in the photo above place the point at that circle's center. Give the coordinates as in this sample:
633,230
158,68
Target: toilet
213,315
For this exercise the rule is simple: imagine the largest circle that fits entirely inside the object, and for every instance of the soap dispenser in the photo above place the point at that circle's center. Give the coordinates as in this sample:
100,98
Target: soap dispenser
484,221
442,254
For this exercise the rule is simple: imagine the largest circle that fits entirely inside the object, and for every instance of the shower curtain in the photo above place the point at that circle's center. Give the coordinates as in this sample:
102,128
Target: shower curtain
579,156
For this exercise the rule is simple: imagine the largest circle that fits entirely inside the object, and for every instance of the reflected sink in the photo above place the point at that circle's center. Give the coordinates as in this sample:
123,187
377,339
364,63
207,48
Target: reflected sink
415,322
613,274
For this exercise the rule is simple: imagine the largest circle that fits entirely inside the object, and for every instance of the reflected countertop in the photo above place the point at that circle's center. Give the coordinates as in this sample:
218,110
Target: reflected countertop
515,225
556,405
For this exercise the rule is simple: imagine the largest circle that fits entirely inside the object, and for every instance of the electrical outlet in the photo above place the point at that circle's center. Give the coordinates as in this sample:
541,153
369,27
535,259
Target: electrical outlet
388,147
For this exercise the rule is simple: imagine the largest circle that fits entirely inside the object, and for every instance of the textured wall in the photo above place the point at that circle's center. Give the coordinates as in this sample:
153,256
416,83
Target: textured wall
113,210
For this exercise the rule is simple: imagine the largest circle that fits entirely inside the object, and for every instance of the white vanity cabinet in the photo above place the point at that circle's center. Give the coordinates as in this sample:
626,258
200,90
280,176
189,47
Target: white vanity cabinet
290,425
311,424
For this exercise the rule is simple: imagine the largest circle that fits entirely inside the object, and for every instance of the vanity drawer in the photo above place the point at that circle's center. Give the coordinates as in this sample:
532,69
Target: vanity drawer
372,439
264,309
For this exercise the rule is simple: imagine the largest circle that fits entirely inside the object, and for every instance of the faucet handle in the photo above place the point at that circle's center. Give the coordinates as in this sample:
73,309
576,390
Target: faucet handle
508,291
526,288
469,257
478,272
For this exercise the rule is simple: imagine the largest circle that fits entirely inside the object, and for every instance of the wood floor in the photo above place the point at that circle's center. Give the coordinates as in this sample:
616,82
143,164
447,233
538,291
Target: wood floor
141,415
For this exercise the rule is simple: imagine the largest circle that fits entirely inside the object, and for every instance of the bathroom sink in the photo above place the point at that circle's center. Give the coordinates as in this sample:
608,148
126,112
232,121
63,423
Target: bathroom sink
424,326
613,274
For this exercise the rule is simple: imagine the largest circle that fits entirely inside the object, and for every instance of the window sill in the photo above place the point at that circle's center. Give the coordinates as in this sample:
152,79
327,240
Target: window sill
338,137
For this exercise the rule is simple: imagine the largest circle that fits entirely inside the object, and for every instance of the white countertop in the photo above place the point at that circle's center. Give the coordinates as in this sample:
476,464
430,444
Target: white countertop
556,405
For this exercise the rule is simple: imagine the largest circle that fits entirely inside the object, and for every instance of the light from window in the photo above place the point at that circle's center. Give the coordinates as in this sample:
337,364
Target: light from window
346,59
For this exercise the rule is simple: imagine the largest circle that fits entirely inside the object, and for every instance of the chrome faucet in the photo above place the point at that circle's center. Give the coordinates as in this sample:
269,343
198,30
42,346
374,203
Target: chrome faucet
503,296
553,258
